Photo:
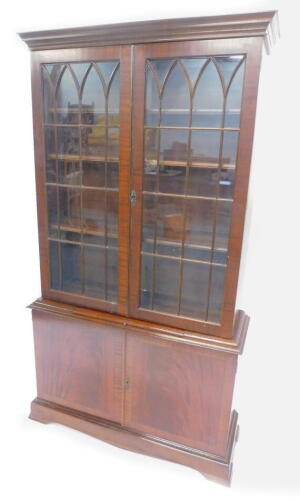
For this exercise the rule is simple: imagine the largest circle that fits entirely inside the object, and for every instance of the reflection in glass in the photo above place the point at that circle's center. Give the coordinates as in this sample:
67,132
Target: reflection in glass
82,176
69,172
205,147
194,289
175,101
188,182
52,211
71,267
54,269
93,99
208,99
166,285
67,141
173,146
234,99
193,68
152,100
67,101
94,269
69,213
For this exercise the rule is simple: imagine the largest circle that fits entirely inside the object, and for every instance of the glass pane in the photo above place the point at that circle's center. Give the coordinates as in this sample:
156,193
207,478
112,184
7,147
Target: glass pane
94,271
93,99
205,147
166,285
188,182
93,216
234,98
112,274
216,294
172,179
193,68
161,68
112,174
70,213
175,102
199,229
54,259
227,65
152,100
114,100
49,101
69,172
173,147
230,143
194,290
68,141
107,69
93,142
112,218
80,70
146,281
52,211
150,162
113,144
208,99
93,173
71,267
67,102
82,176
223,223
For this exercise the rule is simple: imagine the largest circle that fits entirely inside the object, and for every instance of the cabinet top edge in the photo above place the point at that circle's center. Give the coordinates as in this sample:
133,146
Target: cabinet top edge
232,345
258,24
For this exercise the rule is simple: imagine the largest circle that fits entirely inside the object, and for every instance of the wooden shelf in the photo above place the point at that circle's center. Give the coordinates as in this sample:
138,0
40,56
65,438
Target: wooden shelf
67,157
183,259
173,163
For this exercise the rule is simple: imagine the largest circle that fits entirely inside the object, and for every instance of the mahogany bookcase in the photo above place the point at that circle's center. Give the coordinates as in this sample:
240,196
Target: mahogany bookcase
143,137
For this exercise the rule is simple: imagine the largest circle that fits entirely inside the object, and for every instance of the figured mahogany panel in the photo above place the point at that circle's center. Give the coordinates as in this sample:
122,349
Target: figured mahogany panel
79,364
179,393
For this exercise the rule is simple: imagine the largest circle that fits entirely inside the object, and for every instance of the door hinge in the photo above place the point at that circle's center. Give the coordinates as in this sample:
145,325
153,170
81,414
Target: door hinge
126,384
133,198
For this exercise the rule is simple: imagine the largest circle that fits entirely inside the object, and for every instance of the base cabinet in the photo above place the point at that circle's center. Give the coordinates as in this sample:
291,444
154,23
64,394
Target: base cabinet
162,397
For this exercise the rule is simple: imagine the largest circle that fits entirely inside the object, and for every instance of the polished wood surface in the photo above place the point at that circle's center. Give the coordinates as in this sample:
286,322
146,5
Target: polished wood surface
79,364
142,379
233,345
213,467
256,24
180,393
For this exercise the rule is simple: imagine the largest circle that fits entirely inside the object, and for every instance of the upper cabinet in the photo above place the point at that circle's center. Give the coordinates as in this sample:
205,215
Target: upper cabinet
143,155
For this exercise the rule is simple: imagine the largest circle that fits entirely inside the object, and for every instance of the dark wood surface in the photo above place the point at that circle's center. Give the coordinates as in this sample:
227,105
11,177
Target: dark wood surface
147,385
233,345
178,392
213,467
145,381
256,24
79,364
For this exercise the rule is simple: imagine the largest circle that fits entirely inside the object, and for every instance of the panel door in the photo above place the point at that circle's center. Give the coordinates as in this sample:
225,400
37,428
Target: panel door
193,126
79,364
82,174
180,393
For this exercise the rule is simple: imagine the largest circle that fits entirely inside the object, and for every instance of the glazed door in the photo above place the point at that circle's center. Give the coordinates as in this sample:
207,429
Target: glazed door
193,122
83,174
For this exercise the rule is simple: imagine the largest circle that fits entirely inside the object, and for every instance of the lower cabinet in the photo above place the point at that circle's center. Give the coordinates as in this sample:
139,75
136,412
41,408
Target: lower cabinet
79,364
179,392
150,388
